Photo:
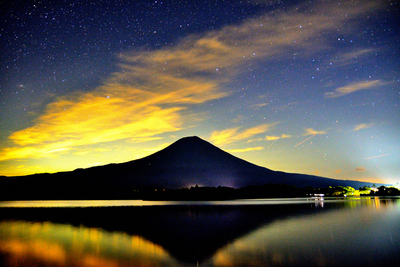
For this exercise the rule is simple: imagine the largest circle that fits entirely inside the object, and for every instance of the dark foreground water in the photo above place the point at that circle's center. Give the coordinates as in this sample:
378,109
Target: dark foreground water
277,232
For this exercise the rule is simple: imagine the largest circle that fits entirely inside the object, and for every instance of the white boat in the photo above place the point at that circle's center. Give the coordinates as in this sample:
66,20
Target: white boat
317,197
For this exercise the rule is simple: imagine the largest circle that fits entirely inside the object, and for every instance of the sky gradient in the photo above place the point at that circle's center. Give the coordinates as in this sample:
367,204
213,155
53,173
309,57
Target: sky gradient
309,87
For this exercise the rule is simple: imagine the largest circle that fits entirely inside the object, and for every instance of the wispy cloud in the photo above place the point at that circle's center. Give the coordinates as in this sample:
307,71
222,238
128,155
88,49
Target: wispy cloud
120,109
354,87
235,134
352,57
276,137
238,119
153,89
311,131
362,126
360,169
245,149
258,105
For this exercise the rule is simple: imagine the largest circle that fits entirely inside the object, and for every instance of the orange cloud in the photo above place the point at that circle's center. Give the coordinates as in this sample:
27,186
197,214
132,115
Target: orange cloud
354,87
363,126
360,169
273,137
311,131
154,90
136,103
245,149
232,135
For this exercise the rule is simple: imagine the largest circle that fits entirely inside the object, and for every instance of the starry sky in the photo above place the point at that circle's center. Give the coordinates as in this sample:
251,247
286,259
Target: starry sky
297,86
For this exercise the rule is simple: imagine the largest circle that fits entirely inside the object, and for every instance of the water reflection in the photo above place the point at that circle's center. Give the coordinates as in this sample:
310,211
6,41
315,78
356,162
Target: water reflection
357,231
48,244
338,238
142,203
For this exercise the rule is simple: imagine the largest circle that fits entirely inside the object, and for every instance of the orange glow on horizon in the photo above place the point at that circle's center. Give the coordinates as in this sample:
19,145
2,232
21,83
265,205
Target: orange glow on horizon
220,84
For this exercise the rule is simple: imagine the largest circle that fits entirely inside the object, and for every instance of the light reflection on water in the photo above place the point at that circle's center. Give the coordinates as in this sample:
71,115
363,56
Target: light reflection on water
49,244
367,237
357,231
140,203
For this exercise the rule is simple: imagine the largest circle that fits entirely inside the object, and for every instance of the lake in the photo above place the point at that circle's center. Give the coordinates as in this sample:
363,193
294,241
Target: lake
259,232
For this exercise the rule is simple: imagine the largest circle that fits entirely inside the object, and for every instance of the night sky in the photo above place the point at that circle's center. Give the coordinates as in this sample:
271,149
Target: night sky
297,86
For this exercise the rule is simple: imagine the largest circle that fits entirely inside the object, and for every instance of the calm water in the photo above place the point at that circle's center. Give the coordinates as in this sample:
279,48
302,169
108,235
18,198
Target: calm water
261,232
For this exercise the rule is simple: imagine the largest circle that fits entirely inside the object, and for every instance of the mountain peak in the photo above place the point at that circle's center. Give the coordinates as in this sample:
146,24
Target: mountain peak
190,140
187,162
195,152
193,137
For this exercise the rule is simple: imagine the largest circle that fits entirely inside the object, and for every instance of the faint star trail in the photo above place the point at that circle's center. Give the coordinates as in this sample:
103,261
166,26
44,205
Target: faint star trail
305,140
272,144
373,157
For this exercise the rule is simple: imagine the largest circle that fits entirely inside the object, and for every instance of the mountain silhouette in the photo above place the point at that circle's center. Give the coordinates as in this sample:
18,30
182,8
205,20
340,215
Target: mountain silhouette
187,162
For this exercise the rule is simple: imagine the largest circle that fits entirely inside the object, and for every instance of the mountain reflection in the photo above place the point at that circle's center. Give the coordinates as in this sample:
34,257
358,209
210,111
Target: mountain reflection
48,244
360,231
368,236
190,234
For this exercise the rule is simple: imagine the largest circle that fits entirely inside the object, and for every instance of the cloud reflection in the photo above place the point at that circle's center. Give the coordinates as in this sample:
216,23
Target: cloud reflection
329,239
49,244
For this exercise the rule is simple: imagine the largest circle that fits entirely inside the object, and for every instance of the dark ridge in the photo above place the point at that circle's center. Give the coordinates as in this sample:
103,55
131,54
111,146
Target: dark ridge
187,162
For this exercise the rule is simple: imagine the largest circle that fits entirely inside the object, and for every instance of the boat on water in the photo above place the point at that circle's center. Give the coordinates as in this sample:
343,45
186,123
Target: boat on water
316,197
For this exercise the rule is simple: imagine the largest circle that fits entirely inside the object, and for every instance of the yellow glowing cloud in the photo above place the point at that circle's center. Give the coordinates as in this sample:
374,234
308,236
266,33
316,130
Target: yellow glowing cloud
153,89
123,108
273,137
311,131
232,135
224,136
71,129
354,87
363,126
240,150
